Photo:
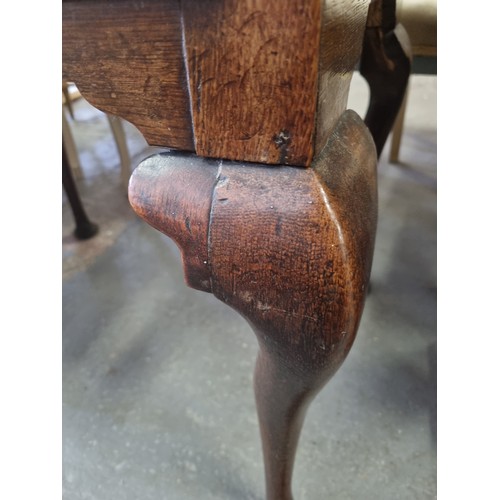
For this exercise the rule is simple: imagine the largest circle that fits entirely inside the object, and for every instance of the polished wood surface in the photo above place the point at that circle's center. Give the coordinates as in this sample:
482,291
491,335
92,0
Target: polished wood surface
289,249
174,194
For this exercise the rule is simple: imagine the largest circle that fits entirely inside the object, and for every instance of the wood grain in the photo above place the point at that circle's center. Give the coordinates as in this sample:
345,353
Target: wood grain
253,78
292,253
126,59
253,81
290,249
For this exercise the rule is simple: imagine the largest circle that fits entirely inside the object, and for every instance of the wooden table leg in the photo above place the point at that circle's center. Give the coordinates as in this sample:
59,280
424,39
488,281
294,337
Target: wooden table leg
290,249
284,233
85,228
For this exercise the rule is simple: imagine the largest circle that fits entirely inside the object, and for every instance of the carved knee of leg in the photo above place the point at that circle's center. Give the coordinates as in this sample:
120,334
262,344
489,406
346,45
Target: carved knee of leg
289,248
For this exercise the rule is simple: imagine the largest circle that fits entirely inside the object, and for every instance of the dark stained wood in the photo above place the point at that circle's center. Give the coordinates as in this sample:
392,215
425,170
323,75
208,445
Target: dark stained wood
342,28
253,78
126,59
290,249
386,66
85,228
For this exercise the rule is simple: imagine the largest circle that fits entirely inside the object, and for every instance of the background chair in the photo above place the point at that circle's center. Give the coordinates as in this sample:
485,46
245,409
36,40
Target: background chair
419,17
70,94
71,166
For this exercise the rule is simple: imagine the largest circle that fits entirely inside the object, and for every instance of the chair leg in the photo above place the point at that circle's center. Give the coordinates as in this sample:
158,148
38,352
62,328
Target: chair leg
85,228
386,65
290,249
116,126
397,131
70,147
67,98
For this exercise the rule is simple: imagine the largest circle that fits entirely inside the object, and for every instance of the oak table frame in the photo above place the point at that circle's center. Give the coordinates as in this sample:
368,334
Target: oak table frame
270,187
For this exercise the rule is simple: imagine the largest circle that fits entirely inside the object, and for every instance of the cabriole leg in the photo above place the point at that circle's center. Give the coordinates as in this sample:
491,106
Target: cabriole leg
290,249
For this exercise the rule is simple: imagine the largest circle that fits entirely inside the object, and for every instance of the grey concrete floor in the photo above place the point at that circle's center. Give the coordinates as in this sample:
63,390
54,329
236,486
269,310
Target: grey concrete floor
157,378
